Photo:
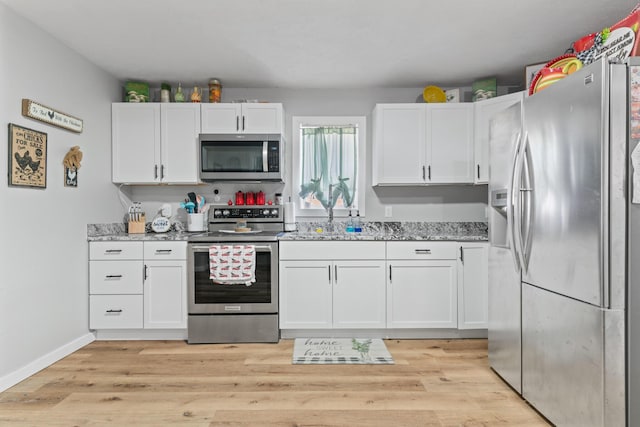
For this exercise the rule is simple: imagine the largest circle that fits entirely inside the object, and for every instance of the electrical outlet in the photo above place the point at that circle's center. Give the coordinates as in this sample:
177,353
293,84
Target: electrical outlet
388,211
166,210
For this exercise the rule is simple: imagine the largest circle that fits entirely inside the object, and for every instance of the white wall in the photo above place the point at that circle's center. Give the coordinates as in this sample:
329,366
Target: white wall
43,248
433,203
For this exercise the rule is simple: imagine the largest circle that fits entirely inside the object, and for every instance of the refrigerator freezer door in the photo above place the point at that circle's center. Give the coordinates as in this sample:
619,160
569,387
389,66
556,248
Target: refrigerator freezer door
573,366
565,142
504,272
505,349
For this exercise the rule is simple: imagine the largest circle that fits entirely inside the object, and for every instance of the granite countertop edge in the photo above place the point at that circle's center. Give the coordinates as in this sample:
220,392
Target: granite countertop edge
374,231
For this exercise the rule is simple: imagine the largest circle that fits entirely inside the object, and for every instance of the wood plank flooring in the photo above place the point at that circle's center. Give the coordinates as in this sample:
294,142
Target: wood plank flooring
159,383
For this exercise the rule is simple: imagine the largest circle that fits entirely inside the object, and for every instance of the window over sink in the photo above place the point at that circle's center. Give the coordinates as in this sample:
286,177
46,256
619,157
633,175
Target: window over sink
328,151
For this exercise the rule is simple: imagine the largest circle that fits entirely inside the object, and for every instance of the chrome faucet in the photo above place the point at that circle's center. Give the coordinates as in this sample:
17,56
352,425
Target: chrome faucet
330,205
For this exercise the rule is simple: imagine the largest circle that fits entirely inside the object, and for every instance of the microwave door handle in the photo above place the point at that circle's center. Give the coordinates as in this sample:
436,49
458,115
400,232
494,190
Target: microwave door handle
265,158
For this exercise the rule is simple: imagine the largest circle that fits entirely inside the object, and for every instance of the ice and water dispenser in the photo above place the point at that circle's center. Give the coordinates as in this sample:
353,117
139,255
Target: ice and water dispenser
498,218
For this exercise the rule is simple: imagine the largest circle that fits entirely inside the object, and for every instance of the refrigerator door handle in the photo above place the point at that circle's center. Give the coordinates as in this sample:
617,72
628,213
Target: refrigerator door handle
510,206
527,196
517,195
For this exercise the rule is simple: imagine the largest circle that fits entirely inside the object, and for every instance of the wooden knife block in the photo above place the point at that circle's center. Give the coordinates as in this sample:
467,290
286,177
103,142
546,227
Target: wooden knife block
137,227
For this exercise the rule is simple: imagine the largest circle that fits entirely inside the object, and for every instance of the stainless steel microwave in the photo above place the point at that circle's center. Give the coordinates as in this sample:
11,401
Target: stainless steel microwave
241,157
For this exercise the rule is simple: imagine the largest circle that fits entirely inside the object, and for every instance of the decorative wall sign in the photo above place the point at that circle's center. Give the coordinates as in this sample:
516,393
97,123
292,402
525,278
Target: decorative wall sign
27,157
71,164
50,116
70,177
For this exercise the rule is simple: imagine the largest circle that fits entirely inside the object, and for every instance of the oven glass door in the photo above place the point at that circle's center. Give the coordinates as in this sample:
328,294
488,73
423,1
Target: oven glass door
206,297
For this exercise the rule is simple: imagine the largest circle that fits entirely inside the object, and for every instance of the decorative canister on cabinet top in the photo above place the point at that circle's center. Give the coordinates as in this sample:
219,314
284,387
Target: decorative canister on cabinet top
196,96
215,90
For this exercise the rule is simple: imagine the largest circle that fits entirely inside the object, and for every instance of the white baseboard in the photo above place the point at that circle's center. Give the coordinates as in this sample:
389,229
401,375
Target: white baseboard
408,333
48,359
141,334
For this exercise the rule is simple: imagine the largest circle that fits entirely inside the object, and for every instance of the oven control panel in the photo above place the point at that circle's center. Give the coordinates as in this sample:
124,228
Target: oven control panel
265,212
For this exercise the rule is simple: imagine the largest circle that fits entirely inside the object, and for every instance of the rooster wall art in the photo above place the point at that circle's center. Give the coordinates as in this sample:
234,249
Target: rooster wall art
28,157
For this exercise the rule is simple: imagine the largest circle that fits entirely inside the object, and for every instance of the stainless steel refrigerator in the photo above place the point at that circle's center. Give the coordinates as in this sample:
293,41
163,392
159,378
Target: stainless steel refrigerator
564,262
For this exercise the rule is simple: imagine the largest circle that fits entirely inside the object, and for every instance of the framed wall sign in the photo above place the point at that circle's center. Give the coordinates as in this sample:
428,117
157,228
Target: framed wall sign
37,111
27,157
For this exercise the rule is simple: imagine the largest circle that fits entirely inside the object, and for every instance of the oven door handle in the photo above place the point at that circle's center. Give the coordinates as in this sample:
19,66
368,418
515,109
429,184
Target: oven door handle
258,248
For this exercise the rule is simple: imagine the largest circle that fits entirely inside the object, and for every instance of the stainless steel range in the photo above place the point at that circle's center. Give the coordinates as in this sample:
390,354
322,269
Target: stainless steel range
229,313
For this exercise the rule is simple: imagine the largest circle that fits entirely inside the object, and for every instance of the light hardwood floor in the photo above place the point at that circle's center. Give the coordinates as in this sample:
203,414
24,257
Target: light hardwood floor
158,383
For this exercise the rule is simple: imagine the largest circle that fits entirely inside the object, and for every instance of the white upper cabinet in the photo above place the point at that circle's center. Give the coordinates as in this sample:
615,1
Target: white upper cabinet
423,144
180,127
399,147
155,143
242,118
449,143
135,142
484,112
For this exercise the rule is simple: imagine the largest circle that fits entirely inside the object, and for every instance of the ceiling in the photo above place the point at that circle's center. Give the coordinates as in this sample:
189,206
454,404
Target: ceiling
321,43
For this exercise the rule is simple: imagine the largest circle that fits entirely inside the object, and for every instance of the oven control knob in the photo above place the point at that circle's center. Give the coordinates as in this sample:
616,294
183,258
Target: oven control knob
274,212
217,212
225,212
265,212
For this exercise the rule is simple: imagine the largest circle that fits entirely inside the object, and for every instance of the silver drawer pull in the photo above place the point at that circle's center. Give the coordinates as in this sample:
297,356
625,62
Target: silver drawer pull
114,276
114,311
113,251
423,251
163,251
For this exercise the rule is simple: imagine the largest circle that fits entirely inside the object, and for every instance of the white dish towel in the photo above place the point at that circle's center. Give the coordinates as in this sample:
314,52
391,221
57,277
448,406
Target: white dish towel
232,264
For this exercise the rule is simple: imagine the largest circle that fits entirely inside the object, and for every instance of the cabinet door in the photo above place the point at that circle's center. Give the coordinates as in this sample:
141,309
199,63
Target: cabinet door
135,143
484,111
399,144
261,118
165,295
305,295
473,286
220,118
449,143
179,142
422,294
359,294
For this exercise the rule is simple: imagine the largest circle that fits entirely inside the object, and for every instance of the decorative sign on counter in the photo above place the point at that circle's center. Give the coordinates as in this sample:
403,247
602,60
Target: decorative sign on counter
50,116
27,157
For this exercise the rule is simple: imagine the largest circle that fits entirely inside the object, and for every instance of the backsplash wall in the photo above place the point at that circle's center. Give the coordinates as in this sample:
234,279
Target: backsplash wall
432,203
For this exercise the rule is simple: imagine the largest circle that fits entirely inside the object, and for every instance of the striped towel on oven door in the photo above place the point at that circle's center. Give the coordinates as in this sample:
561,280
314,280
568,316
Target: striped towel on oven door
232,264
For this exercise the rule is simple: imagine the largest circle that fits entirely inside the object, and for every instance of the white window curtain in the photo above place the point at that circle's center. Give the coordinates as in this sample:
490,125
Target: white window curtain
329,157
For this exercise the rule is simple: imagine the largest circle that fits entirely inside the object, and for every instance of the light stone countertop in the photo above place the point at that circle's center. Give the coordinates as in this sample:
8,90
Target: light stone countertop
373,230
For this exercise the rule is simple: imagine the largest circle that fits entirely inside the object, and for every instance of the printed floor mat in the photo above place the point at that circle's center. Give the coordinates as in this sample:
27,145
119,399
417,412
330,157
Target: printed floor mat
335,351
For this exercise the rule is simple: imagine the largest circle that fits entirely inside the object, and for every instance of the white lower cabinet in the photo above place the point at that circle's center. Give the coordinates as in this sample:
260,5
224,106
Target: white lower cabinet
378,285
136,285
326,285
164,299
115,311
473,286
359,294
306,295
422,285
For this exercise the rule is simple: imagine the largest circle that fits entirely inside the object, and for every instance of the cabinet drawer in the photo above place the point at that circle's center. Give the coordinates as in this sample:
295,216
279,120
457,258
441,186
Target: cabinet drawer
422,250
115,311
115,277
115,250
315,250
158,251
